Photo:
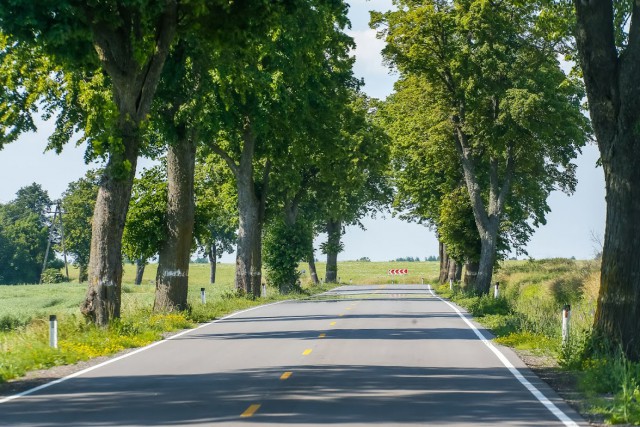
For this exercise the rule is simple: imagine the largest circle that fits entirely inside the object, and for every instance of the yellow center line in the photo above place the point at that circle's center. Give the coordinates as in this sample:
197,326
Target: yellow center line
322,335
349,308
286,375
250,410
332,324
307,352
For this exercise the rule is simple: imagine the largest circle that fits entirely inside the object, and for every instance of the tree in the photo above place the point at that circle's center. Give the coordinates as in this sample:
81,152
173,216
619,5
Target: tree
266,87
121,48
78,203
24,233
216,218
359,185
514,115
144,231
178,123
609,55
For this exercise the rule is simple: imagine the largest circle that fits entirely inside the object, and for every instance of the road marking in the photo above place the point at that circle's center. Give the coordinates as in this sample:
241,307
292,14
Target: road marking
349,308
566,420
332,324
307,352
322,335
250,410
124,356
286,375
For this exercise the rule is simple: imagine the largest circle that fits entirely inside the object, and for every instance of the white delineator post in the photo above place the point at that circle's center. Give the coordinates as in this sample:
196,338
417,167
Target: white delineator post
451,284
422,280
566,320
53,331
203,295
263,290
496,290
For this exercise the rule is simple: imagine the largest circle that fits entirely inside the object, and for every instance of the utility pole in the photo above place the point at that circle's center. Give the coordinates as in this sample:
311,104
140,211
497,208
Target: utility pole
57,213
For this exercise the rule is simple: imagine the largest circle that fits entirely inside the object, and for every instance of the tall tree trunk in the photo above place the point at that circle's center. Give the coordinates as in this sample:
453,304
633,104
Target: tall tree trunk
444,262
83,273
487,216
248,209
334,232
458,275
102,301
470,274
488,244
612,80
213,258
140,267
256,261
172,278
133,87
453,269
312,268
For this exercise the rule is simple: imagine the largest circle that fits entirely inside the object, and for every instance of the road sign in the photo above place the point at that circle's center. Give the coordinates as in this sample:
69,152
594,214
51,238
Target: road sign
398,272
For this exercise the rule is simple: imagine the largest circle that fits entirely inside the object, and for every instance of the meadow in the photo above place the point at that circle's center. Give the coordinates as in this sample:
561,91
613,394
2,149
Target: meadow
21,304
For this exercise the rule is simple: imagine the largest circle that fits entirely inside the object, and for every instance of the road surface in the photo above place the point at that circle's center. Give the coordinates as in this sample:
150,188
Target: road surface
391,355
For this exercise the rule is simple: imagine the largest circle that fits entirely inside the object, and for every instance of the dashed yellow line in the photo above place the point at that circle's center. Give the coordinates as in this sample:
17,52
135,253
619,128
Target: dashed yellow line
322,335
286,375
307,352
332,324
250,410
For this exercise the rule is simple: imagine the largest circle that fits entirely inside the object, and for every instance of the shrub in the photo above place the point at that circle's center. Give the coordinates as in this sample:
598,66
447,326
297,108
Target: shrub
51,275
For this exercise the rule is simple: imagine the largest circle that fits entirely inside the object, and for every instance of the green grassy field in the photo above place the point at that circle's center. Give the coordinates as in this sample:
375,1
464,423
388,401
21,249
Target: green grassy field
20,304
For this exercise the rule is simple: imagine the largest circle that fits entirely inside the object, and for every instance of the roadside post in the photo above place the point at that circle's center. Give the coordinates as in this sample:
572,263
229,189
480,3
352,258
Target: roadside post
263,290
53,331
203,295
450,284
422,280
496,290
566,320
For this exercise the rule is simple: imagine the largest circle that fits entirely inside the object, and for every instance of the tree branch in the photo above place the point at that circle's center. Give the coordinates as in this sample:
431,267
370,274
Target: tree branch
468,167
235,169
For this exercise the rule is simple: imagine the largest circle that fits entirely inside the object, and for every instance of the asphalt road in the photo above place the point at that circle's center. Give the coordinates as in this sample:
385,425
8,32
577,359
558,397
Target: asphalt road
359,356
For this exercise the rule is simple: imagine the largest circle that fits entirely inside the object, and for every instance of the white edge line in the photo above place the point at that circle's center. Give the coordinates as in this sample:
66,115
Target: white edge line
124,356
566,420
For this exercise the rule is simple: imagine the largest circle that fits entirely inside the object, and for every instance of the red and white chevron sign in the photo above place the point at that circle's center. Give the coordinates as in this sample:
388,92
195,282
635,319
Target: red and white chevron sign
398,271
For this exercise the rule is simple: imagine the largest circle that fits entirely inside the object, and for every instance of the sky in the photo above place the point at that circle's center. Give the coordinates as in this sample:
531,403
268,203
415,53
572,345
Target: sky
574,225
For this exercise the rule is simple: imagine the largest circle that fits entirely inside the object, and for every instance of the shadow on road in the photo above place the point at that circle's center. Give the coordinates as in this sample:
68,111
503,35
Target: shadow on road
339,394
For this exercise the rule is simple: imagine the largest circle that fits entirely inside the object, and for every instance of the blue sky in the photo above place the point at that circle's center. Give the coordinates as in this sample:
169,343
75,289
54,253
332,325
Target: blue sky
570,226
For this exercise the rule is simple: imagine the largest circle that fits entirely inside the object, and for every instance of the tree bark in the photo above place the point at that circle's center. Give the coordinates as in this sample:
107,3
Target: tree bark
102,301
612,81
312,268
172,278
252,197
458,275
487,216
470,274
134,86
453,270
213,258
140,266
444,262
334,232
